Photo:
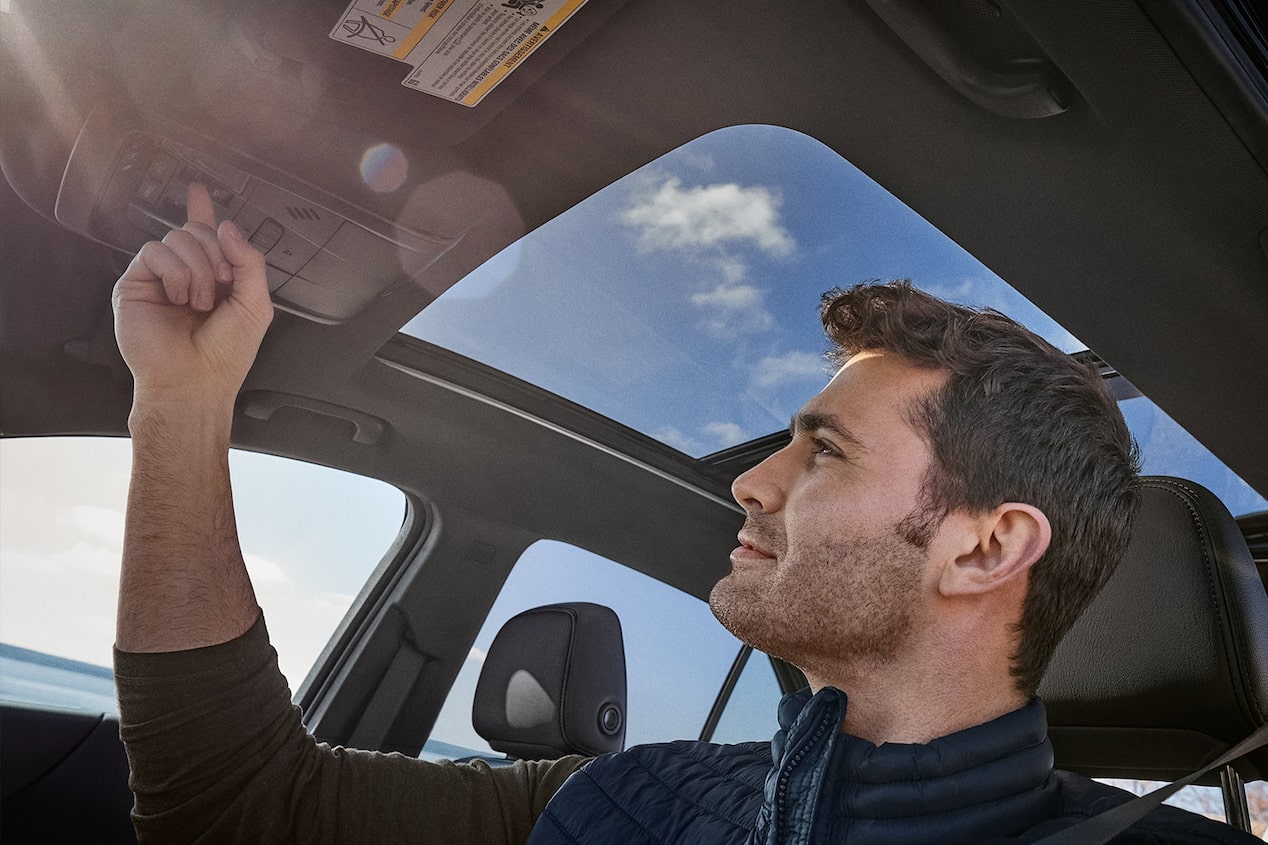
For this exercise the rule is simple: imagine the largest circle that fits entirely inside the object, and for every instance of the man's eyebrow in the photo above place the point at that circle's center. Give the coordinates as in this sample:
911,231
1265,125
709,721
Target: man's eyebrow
808,421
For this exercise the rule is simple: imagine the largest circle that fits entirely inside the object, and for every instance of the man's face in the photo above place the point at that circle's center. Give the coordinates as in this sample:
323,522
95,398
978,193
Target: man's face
828,575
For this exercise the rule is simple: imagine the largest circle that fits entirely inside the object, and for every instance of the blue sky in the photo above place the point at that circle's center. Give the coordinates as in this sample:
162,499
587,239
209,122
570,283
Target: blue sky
692,287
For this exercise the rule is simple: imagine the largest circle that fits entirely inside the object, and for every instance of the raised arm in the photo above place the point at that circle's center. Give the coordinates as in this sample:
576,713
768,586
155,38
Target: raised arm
217,751
190,313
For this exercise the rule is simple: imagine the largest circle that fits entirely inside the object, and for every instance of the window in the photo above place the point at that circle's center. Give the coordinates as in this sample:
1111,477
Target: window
750,714
1207,800
311,535
698,277
670,688
1167,449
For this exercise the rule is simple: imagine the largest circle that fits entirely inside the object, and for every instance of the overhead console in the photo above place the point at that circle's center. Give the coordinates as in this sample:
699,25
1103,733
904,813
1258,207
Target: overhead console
126,181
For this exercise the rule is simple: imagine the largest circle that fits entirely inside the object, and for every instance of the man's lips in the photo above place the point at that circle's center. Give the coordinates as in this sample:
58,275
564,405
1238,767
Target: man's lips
750,549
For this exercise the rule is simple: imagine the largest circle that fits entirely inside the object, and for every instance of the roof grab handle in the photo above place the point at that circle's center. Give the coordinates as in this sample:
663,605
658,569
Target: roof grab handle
261,405
954,38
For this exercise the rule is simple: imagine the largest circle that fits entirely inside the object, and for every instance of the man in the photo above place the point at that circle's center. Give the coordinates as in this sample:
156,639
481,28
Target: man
947,506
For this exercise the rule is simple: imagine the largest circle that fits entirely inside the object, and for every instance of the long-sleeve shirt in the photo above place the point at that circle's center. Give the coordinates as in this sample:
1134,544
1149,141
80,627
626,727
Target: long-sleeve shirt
218,754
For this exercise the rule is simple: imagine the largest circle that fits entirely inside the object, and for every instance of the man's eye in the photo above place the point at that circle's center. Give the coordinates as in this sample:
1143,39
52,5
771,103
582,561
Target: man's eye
822,447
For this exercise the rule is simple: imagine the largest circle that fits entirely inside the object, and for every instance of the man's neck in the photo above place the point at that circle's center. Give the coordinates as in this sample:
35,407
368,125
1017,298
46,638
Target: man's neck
921,705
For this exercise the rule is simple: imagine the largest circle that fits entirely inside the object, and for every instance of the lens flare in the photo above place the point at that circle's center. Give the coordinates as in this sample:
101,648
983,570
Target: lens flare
384,168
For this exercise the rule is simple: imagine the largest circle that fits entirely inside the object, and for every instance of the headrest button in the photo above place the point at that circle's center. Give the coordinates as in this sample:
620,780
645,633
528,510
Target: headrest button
610,719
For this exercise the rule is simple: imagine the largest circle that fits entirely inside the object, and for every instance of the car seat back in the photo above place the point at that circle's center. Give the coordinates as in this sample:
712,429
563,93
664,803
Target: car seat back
1169,664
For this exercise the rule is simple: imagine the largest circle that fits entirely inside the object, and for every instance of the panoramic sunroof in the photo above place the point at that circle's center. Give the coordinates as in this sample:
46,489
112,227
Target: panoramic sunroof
682,300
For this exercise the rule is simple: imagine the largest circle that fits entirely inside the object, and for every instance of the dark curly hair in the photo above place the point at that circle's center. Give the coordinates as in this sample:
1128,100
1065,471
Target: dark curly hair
1016,421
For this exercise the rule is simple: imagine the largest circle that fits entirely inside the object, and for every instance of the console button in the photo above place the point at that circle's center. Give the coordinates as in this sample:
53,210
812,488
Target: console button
267,235
162,166
150,190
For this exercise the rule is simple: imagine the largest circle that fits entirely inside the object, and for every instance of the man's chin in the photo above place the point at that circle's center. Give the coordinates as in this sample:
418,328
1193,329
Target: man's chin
736,607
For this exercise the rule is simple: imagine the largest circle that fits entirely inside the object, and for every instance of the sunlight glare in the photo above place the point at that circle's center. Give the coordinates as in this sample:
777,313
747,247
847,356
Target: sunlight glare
384,168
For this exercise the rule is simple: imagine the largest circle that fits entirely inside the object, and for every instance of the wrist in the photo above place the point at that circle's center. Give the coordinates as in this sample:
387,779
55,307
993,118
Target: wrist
185,421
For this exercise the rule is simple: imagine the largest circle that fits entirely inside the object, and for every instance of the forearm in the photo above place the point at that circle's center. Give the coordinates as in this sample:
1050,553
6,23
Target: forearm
183,582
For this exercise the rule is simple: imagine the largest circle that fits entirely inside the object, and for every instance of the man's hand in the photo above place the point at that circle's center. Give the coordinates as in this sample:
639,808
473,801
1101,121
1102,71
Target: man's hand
190,311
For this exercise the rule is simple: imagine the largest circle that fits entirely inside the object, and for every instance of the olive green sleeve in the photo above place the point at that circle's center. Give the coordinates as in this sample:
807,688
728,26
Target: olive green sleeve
218,754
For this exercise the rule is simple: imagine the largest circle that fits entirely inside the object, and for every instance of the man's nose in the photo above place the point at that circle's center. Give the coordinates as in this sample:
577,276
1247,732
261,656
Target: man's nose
759,489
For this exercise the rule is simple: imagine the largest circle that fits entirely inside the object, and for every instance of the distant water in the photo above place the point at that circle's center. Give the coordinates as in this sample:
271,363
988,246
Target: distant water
32,677
434,750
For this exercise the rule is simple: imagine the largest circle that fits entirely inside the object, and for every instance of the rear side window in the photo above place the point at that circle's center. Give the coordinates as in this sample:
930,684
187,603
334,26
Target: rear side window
677,655
750,711
1206,800
310,535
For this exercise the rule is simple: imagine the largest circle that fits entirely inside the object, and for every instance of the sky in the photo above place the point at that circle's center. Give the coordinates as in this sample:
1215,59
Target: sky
692,289
310,537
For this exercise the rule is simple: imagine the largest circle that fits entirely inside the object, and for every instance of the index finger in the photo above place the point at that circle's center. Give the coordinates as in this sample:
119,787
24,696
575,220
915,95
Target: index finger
198,207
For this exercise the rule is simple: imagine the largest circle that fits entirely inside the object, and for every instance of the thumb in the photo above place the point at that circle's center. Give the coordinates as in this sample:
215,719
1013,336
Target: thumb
250,281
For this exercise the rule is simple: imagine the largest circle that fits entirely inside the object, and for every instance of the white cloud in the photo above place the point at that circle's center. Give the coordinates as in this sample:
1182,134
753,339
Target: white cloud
708,216
792,366
709,438
264,571
732,269
963,291
731,309
104,524
675,438
726,433
61,601
714,226
690,158
478,655
730,297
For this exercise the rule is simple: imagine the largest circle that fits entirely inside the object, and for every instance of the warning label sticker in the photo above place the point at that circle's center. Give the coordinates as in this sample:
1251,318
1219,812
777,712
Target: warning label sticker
460,49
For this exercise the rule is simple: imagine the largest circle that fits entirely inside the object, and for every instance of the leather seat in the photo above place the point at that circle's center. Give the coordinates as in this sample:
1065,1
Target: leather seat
1169,665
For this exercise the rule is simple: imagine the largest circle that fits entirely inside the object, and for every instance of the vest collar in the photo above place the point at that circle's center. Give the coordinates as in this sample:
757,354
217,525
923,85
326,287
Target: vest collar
991,779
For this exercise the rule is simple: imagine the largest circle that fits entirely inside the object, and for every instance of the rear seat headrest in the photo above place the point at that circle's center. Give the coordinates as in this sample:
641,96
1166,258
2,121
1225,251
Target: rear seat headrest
553,684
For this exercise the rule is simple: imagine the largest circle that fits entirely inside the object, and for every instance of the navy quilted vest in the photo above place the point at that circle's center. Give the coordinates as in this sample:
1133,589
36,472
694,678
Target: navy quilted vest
814,784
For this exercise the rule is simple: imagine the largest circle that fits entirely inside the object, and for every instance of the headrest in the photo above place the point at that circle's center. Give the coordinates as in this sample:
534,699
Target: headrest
553,684
1169,664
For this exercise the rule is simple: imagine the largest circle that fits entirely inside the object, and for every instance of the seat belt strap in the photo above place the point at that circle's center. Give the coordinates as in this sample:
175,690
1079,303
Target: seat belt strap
1103,827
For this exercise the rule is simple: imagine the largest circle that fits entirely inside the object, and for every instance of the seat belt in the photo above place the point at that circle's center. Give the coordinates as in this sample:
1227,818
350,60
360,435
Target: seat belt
1103,827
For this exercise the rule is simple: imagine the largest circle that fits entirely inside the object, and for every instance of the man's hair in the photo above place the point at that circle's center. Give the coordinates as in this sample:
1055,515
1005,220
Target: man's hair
1016,421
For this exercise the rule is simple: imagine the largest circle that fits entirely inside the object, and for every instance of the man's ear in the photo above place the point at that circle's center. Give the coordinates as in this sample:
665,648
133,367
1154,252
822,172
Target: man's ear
996,549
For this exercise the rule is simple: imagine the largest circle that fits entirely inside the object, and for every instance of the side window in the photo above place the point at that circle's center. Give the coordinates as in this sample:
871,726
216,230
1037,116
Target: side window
1166,448
310,535
672,686
1206,800
750,711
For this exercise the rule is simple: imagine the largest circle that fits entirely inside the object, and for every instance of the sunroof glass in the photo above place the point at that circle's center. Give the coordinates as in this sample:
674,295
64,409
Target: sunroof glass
682,299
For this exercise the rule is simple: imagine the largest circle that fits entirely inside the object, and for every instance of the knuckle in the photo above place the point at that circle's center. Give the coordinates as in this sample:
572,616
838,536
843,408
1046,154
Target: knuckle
199,230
